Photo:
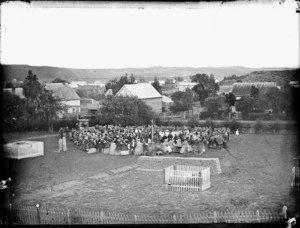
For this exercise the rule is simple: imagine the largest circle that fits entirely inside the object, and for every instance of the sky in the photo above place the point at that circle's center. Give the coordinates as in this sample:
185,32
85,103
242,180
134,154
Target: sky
91,35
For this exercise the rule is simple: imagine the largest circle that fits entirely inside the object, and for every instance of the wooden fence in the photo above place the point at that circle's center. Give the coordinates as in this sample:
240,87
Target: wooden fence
30,215
190,178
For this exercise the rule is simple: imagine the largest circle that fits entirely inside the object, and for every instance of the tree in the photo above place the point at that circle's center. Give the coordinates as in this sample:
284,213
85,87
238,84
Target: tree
41,103
272,99
183,101
254,92
31,87
230,99
156,85
215,103
125,111
59,80
245,105
14,111
206,86
115,85
49,107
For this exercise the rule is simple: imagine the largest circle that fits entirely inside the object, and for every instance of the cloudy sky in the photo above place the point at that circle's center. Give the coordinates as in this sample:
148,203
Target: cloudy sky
255,34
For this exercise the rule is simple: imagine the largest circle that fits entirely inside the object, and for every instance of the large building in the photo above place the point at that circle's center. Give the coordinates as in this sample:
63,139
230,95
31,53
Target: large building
145,92
183,86
67,95
242,89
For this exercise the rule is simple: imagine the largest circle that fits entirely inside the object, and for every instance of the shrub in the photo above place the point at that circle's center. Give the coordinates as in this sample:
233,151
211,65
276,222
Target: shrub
275,126
193,122
258,126
210,123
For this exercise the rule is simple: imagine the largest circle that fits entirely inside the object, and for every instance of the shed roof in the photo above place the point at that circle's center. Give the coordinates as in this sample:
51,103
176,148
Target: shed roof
166,99
225,89
244,88
142,91
63,91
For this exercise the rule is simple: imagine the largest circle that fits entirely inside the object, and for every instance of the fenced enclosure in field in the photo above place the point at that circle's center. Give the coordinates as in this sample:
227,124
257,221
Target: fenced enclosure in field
187,178
30,215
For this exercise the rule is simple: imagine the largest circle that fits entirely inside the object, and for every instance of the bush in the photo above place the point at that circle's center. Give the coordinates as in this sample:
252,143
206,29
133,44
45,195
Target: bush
210,123
275,126
193,122
258,126
70,123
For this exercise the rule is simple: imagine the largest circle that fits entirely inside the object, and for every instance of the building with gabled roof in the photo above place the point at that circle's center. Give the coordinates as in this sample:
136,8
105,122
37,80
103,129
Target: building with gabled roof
225,89
67,95
145,92
241,89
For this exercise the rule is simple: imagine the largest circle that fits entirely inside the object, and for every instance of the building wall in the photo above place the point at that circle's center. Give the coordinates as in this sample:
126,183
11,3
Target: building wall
154,103
73,106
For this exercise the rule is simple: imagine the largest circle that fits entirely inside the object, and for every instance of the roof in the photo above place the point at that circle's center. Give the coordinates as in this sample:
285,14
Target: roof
142,91
63,91
225,89
186,83
244,88
166,99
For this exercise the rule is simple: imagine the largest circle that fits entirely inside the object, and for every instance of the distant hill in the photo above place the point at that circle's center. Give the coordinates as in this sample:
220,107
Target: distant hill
46,73
279,77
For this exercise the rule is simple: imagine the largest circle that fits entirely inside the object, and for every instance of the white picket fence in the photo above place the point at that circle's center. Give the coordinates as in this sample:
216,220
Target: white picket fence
187,178
30,215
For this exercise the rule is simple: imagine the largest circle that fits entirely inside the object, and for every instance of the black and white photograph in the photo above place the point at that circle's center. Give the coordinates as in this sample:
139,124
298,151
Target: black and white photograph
159,113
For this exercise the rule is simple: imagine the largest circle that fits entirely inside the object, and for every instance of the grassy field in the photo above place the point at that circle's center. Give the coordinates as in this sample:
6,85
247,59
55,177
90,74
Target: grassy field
256,174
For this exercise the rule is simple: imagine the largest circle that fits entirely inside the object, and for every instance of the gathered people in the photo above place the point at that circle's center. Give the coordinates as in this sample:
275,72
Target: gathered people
137,140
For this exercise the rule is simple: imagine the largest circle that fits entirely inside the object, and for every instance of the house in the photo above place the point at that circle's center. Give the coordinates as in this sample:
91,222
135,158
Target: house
75,84
16,91
109,93
241,89
294,83
88,90
100,83
225,89
145,92
183,86
88,107
166,103
67,95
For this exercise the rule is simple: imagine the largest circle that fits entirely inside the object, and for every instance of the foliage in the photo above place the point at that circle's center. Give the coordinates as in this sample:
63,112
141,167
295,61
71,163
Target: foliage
31,87
183,101
92,93
14,112
124,111
156,85
245,105
41,105
254,92
59,80
206,86
218,115
115,85
230,99
258,126
215,103
193,122
169,81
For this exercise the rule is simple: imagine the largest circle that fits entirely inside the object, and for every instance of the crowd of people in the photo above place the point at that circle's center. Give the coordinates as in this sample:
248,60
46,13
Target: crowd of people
145,140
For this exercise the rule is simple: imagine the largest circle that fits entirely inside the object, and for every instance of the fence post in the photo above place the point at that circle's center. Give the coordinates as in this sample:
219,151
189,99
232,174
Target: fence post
69,217
215,217
258,216
102,217
38,214
135,219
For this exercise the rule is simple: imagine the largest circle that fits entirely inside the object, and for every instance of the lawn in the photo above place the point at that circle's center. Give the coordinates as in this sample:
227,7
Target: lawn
256,174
